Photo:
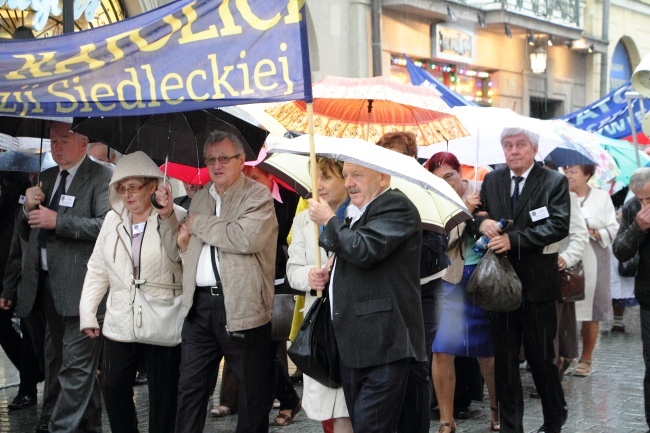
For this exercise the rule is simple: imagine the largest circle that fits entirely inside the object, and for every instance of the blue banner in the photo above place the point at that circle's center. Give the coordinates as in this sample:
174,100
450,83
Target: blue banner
187,55
420,77
609,115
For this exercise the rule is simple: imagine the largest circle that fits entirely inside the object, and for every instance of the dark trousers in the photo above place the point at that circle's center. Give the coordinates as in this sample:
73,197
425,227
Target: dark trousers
119,366
72,398
205,343
20,352
645,340
374,395
534,323
416,409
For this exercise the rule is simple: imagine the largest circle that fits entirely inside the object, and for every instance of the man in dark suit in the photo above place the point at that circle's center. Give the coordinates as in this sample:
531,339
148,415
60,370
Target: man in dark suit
58,227
538,202
375,295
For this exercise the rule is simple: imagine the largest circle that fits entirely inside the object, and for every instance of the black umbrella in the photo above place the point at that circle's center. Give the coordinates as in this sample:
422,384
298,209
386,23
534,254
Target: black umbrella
25,162
177,137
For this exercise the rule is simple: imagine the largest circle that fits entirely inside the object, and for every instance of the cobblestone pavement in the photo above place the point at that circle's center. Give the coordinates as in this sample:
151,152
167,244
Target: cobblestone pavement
610,400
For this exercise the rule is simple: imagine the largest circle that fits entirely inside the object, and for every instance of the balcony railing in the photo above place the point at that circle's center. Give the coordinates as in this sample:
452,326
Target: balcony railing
557,11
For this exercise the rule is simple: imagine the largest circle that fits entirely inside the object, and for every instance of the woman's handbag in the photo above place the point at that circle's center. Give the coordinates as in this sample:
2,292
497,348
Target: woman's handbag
314,350
282,316
572,283
156,320
494,285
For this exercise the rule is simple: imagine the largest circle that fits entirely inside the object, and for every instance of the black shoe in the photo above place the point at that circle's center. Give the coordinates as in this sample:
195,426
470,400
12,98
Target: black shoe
141,379
534,394
43,426
565,414
462,413
22,401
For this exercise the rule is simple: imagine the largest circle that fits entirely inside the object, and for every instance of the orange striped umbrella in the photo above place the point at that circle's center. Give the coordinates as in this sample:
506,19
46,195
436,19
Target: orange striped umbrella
368,108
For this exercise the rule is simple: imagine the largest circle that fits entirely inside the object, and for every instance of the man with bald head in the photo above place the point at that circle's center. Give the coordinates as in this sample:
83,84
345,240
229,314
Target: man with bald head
58,227
374,289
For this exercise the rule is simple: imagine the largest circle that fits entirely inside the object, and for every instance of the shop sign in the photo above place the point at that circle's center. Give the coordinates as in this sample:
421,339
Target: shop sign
44,8
454,44
620,69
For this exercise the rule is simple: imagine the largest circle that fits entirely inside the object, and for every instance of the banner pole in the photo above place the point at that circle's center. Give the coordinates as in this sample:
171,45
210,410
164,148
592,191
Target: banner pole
314,181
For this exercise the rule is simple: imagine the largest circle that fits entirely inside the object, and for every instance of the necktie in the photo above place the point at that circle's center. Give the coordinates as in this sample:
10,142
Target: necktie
515,194
54,205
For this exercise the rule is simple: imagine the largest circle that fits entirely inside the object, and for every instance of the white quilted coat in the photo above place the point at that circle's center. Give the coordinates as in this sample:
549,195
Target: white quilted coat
111,264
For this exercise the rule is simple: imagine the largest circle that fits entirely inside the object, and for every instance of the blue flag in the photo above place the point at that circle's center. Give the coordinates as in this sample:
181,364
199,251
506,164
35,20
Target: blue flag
609,115
187,55
420,77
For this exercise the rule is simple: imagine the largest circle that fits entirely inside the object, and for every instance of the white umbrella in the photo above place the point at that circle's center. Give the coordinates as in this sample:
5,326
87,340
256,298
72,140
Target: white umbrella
485,125
441,209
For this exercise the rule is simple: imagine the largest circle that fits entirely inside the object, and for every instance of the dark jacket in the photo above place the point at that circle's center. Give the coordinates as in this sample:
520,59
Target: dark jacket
630,239
376,286
537,269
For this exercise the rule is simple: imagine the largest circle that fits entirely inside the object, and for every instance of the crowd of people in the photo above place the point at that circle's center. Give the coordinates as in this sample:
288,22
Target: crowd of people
98,251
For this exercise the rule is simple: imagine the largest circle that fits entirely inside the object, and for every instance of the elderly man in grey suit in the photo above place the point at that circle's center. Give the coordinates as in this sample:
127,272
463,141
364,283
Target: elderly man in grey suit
58,228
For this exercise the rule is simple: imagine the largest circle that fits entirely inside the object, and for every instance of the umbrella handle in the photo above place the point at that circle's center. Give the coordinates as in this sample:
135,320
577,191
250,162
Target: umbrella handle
155,203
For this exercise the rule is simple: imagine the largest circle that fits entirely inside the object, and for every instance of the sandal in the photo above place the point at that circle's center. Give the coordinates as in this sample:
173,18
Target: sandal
220,411
495,425
584,368
446,425
284,420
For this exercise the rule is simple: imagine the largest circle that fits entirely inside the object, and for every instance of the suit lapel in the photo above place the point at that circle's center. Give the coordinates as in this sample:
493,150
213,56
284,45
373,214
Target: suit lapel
78,181
504,193
532,184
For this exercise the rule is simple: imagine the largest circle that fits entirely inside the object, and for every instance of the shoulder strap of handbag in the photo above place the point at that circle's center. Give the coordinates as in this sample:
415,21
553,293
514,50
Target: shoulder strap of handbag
213,251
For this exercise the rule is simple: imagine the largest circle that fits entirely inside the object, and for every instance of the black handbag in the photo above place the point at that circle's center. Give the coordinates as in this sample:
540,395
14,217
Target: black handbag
314,350
572,283
494,284
628,268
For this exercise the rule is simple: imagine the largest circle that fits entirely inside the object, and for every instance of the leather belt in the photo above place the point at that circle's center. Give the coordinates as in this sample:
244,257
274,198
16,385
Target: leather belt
211,290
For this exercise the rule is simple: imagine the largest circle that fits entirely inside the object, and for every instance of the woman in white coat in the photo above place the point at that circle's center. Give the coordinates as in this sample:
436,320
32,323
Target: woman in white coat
319,402
130,254
598,212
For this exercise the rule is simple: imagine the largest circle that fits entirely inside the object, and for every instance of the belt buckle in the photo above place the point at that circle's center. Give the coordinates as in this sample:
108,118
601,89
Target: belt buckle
215,290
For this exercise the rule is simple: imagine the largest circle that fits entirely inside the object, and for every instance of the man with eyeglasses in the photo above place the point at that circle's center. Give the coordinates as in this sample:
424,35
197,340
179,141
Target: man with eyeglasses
58,227
227,245
632,239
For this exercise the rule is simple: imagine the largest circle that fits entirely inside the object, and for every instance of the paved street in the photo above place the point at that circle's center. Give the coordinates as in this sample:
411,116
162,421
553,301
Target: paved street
610,400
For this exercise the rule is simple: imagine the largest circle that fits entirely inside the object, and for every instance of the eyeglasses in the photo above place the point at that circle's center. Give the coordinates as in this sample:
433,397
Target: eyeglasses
121,189
223,160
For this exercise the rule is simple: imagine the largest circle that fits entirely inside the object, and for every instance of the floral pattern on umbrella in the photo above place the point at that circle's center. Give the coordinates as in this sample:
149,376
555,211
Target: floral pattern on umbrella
368,108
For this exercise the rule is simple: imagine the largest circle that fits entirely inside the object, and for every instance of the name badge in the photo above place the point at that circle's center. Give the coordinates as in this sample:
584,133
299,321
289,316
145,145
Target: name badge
138,228
21,199
66,200
585,213
539,214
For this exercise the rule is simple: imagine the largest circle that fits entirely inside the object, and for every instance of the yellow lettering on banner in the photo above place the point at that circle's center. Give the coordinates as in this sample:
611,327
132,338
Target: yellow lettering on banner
152,86
260,74
164,87
144,45
59,107
111,45
246,77
82,96
20,101
82,57
255,22
31,65
294,15
37,109
190,87
285,70
138,90
4,108
229,26
186,32
218,82
95,95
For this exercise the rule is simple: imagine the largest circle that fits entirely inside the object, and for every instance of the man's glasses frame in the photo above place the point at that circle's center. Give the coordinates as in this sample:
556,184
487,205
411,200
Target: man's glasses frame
223,160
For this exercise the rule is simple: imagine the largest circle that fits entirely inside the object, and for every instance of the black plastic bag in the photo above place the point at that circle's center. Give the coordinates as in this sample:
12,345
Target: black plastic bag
628,268
494,285
314,351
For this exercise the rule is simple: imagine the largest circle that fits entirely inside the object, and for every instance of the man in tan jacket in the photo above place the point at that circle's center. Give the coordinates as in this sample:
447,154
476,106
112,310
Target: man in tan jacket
227,245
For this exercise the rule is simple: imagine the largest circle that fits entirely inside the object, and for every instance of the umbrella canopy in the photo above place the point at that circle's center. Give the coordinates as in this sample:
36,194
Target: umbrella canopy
625,155
25,162
27,134
368,108
256,115
483,146
186,173
440,207
177,136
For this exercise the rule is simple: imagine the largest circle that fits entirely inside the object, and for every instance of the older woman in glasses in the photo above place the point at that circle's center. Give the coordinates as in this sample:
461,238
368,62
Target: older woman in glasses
129,252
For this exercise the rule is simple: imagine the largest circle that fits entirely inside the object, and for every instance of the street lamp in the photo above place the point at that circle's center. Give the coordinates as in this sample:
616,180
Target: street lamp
538,61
